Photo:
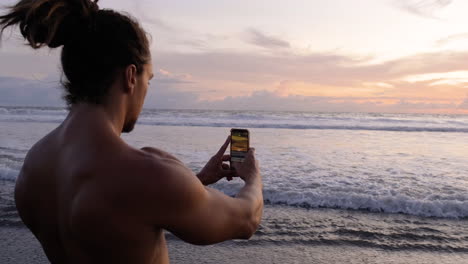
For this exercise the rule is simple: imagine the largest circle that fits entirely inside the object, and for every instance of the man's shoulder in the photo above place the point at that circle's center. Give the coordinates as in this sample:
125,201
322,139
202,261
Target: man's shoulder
147,160
151,167
134,178
41,159
153,182
159,153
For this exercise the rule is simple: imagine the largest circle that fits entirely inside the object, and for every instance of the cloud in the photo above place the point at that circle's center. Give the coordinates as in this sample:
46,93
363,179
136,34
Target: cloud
163,96
451,38
30,63
168,91
319,68
425,8
329,82
397,96
169,34
260,39
19,91
170,95
464,104
141,14
48,92
256,68
265,100
167,77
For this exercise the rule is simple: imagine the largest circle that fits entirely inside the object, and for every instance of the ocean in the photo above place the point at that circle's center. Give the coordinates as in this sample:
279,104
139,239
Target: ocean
386,182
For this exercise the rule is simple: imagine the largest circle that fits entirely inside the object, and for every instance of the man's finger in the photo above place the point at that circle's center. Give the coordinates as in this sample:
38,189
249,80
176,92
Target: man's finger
225,166
224,147
226,157
250,153
229,174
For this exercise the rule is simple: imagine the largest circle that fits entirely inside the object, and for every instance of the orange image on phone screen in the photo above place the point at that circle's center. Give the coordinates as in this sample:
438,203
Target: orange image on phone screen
239,144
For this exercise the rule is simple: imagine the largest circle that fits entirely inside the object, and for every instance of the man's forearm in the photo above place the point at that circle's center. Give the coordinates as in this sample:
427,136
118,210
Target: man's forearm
252,190
251,194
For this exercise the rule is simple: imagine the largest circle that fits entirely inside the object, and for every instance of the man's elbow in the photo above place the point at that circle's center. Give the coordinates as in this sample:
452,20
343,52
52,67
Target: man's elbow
250,227
249,231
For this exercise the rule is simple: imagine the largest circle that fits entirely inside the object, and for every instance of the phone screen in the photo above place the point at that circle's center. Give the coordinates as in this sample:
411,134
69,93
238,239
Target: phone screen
239,144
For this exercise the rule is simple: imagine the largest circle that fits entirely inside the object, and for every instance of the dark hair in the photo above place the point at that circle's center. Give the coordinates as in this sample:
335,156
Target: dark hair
96,43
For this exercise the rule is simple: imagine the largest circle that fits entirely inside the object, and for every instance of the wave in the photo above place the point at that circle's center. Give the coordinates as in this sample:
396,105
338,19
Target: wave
457,207
401,204
273,120
8,174
316,127
384,204
33,111
202,123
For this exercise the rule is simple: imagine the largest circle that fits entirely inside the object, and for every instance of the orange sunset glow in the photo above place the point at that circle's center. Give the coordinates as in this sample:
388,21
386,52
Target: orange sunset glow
406,56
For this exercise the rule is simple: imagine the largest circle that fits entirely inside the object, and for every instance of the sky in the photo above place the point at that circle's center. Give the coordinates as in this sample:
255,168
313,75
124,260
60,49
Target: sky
397,56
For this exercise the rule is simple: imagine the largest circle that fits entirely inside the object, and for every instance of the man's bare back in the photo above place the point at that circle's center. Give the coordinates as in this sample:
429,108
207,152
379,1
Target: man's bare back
86,195
90,198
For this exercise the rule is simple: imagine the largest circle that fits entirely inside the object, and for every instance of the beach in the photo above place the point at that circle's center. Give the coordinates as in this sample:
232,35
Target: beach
286,235
21,247
338,188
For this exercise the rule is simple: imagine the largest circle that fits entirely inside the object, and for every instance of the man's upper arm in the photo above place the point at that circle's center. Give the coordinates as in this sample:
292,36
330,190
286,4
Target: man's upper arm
191,211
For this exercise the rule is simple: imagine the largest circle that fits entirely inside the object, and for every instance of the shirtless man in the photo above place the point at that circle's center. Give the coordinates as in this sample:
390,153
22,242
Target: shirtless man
86,195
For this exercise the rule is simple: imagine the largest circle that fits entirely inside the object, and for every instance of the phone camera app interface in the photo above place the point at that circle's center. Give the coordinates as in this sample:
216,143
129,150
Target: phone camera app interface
239,145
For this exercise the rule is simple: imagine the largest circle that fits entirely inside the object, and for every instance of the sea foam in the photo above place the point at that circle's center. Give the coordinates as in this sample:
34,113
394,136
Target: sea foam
274,120
442,208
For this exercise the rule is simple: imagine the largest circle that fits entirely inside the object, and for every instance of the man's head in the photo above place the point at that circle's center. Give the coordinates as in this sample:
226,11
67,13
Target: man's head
98,47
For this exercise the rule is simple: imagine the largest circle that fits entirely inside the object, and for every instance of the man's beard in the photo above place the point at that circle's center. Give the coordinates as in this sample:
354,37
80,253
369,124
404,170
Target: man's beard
129,126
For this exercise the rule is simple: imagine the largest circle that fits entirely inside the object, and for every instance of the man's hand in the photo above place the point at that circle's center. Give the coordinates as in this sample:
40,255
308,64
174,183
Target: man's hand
215,169
249,169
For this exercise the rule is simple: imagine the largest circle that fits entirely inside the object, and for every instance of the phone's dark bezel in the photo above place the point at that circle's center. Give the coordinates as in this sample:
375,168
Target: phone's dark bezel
240,130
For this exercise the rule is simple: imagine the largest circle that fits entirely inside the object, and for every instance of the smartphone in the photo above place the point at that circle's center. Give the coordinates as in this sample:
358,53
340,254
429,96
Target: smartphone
239,144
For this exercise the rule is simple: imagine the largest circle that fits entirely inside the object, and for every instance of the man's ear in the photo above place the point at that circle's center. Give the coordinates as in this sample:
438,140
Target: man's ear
130,79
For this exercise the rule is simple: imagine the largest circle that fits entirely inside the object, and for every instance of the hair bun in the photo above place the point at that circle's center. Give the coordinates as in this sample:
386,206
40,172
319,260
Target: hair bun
50,22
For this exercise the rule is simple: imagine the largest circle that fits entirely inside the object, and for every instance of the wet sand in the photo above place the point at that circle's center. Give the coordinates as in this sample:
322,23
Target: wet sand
17,245
277,241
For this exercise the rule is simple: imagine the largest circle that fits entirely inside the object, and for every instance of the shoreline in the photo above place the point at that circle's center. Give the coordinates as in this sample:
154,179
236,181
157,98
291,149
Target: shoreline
20,246
289,235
